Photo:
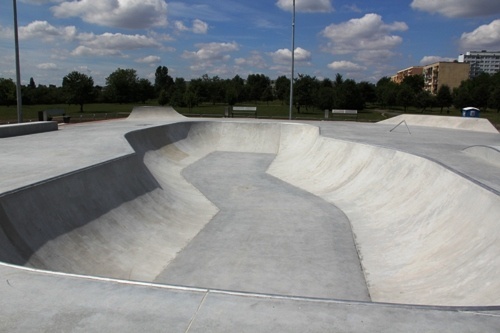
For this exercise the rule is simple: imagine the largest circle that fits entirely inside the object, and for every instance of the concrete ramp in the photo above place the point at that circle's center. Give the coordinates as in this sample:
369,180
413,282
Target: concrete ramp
424,234
126,218
154,113
462,123
491,154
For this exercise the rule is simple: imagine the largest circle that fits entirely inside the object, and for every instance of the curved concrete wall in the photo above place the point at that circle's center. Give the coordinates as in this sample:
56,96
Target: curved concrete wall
491,154
425,235
122,219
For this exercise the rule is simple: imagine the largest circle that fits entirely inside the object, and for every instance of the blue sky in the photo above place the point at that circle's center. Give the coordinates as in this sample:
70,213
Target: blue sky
360,39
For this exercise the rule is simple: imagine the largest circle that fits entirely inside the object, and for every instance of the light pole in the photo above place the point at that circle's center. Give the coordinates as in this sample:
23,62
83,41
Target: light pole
18,70
293,61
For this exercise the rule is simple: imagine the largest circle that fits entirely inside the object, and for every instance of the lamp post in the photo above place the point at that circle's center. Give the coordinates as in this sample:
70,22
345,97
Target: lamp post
293,62
18,70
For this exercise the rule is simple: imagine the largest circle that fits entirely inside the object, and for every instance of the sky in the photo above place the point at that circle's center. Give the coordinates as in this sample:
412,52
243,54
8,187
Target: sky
363,40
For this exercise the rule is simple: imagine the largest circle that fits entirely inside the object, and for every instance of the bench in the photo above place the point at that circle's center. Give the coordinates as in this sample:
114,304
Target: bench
48,115
244,111
345,114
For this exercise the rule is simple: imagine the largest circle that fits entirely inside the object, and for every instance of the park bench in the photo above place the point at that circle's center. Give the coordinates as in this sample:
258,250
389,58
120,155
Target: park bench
48,115
345,114
244,111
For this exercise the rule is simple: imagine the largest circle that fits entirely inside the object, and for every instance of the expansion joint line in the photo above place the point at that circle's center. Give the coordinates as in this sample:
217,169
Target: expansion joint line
197,310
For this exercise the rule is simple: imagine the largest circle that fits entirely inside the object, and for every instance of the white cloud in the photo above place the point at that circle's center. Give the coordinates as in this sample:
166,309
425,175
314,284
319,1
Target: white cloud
212,51
149,60
132,14
255,60
160,36
485,37
458,8
47,32
179,26
365,36
308,6
86,51
345,66
285,55
47,66
211,58
427,60
352,8
109,44
118,41
198,27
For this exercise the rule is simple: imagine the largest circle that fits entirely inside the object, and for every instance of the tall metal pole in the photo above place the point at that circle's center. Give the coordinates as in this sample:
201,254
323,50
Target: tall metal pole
18,70
293,62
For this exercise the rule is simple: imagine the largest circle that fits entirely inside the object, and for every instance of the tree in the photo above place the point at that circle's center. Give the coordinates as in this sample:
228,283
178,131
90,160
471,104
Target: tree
282,88
237,89
44,95
462,96
267,95
163,98
145,90
200,89
7,92
306,88
163,81
494,101
444,97
339,95
352,97
32,84
423,100
78,88
190,98
177,92
231,95
216,89
414,82
405,96
386,91
122,86
257,84
324,100
480,90
367,91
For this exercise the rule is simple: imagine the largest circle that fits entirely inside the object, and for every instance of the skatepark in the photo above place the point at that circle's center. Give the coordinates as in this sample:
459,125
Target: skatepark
160,222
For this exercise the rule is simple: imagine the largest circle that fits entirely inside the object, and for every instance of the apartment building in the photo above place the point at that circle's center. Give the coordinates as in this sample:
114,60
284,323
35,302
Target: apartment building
444,73
400,75
481,62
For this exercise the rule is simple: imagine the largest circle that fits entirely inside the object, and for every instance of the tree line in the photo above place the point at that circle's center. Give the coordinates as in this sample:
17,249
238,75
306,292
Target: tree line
124,86
482,91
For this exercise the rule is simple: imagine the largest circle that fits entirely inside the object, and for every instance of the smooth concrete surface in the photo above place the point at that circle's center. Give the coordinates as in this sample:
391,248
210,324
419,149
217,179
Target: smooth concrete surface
27,128
43,302
490,154
298,246
262,242
461,123
424,234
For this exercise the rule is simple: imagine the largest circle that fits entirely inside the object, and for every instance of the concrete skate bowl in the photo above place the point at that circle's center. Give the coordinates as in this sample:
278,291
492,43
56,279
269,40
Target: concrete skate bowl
423,234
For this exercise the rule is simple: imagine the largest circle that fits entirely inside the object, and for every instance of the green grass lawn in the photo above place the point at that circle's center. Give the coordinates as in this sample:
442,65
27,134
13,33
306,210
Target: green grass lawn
272,110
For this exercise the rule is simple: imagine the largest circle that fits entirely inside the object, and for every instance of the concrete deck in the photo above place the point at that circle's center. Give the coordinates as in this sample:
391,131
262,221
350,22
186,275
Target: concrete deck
160,221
